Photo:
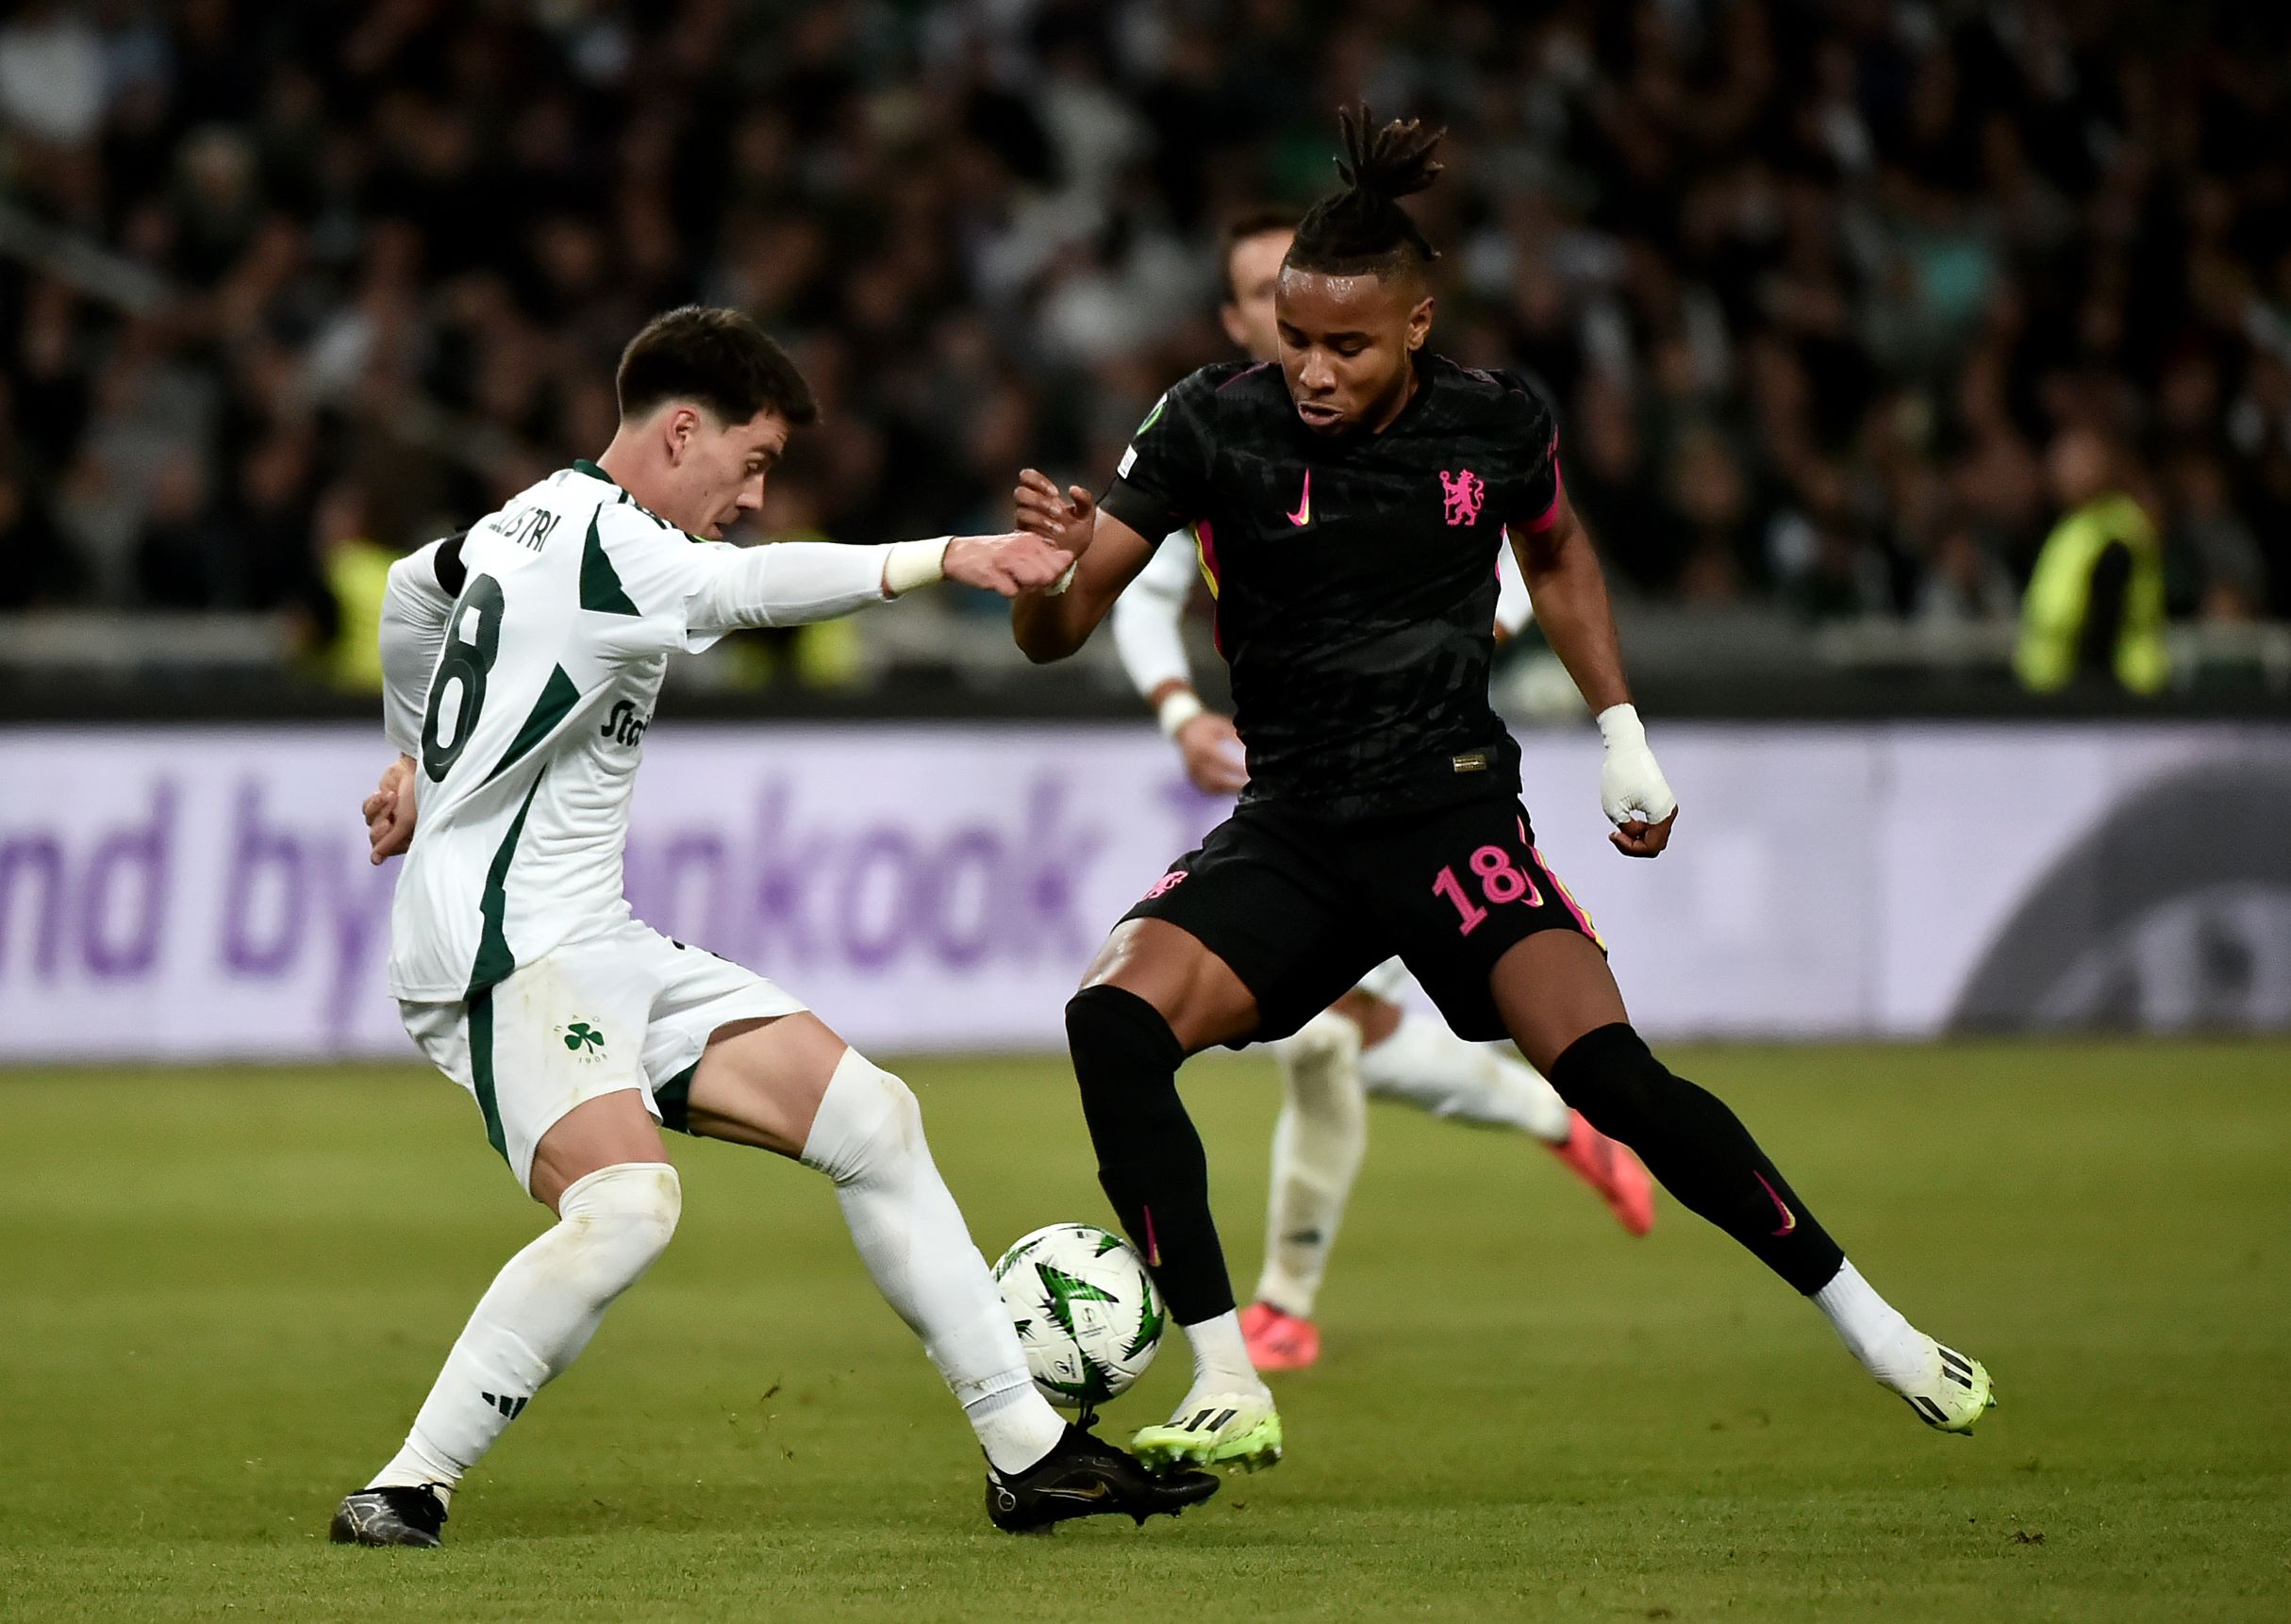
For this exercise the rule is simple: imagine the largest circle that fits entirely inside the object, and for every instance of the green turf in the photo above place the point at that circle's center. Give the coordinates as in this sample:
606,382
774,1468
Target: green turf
220,1296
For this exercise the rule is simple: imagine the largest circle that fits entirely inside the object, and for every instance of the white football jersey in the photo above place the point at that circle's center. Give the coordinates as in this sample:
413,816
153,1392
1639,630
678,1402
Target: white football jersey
526,721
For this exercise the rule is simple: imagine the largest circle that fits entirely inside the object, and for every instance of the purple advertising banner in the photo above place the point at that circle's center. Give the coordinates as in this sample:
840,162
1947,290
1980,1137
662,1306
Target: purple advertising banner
204,891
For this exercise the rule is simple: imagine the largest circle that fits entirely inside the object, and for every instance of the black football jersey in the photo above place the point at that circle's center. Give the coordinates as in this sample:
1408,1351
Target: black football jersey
1355,577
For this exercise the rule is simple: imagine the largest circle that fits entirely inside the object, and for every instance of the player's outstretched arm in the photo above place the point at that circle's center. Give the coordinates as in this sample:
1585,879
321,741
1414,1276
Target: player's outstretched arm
1108,554
1563,576
792,583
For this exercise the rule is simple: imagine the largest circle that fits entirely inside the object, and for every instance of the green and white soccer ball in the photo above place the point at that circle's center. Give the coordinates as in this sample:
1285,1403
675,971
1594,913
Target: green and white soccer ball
1086,1311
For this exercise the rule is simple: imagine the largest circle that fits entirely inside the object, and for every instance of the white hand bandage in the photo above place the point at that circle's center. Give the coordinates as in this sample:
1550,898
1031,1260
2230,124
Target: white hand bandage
1631,786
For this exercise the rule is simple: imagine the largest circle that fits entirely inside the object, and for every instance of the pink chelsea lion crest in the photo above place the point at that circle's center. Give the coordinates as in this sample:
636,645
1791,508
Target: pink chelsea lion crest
1462,492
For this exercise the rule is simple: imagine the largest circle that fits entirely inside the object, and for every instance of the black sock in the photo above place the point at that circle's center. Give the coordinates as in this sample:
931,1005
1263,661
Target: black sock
1698,1149
1150,1158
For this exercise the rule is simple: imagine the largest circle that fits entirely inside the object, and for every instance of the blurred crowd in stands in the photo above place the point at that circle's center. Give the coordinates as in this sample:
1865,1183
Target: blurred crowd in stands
1844,303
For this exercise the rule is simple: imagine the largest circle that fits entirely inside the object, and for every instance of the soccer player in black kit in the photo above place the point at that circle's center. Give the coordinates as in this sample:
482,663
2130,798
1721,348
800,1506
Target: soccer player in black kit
1348,504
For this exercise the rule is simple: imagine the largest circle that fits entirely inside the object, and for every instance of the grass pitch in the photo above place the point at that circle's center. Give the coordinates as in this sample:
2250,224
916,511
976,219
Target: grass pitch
221,1295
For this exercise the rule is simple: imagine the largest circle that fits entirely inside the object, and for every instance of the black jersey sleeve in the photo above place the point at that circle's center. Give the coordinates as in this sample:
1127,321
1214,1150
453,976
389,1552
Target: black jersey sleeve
1532,502
1162,483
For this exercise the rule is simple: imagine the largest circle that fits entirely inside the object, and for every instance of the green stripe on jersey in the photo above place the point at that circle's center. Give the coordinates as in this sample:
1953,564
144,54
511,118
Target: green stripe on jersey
481,1067
495,962
601,590
558,697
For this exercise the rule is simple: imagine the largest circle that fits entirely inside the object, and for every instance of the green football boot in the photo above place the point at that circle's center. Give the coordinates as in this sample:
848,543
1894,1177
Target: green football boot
1215,1430
1958,1395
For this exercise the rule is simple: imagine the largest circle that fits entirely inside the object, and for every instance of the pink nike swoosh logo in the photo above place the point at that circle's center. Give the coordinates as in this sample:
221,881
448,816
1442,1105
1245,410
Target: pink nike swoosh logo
1790,1219
1303,515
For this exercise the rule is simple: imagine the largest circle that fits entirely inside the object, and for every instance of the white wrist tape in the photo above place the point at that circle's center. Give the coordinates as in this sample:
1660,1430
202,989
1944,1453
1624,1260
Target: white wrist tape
913,564
1618,725
1178,709
1631,786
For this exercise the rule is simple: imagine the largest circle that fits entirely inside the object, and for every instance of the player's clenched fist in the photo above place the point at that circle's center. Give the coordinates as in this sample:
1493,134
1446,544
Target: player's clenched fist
389,811
1007,564
1064,520
1631,789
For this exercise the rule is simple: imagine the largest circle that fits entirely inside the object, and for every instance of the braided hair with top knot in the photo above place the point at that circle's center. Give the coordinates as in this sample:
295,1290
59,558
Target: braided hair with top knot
1362,230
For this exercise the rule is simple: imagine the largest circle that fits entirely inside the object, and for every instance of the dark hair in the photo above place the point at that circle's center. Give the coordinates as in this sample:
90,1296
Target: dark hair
714,358
1259,220
1362,229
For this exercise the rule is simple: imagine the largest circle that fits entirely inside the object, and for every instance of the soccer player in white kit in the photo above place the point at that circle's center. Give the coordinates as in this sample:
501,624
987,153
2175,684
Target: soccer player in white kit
1368,1042
521,661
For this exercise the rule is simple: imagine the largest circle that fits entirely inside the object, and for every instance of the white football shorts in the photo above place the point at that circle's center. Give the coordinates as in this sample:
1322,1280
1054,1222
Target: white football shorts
628,1009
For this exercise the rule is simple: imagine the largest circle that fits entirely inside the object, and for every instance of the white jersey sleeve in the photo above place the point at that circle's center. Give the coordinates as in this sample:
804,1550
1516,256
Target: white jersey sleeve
1149,618
415,605
1514,608
678,593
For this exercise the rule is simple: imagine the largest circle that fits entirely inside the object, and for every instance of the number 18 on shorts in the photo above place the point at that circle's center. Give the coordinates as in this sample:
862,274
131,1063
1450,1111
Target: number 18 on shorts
1301,908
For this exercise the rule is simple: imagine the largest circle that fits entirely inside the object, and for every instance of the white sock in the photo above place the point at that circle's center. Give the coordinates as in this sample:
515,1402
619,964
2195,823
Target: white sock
536,1317
1014,1425
868,1137
1891,1348
1431,1067
1221,1358
1318,1143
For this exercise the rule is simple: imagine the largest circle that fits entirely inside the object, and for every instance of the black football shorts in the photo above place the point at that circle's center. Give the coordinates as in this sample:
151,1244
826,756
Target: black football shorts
1302,909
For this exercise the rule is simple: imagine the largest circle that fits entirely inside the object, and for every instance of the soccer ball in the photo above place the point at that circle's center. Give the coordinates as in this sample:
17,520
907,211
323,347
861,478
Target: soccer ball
1086,1311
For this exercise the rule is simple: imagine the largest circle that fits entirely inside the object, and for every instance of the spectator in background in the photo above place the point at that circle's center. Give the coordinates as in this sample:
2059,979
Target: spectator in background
34,567
185,556
1608,478
2227,575
1709,510
1962,583
1826,564
51,74
2095,603
345,637
1807,282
